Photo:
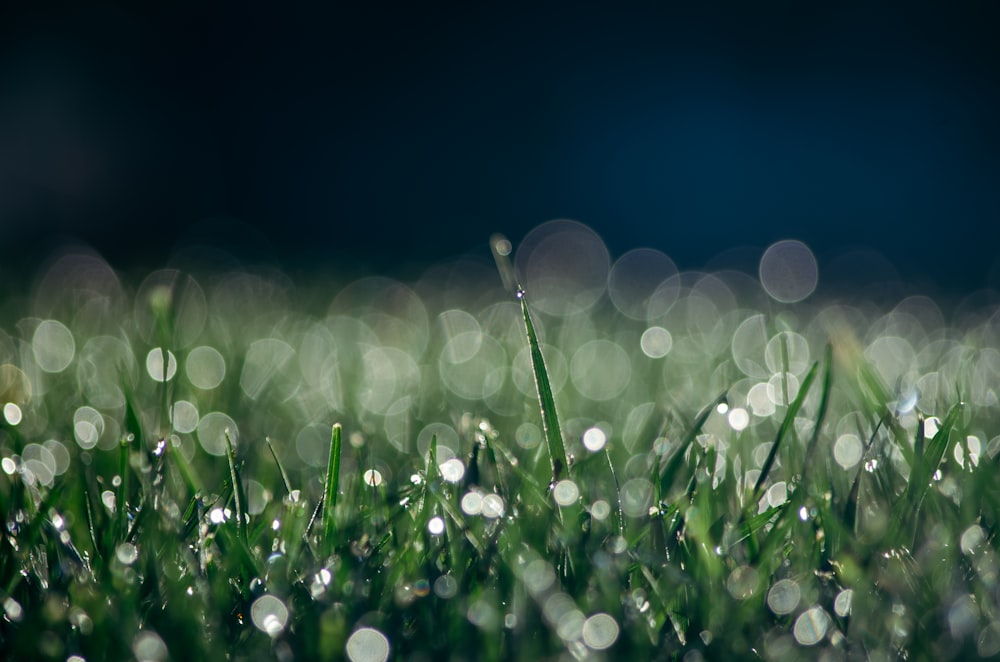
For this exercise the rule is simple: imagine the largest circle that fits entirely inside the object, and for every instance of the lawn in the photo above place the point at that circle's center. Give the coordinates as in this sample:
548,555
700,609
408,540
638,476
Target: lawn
619,459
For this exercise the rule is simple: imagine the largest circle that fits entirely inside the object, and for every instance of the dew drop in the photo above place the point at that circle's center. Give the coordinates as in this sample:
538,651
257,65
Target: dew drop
126,553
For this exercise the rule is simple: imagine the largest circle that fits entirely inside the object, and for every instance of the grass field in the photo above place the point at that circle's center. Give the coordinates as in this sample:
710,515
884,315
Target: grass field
624,461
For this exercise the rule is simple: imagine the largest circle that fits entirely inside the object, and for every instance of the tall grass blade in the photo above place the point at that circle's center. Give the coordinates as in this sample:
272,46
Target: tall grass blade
239,497
824,404
550,419
332,486
121,499
281,467
786,425
921,473
666,478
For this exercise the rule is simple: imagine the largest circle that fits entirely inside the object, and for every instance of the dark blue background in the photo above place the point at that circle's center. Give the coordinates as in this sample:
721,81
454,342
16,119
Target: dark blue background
400,133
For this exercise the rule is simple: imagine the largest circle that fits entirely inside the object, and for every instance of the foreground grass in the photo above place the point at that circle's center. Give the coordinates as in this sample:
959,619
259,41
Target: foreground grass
393,477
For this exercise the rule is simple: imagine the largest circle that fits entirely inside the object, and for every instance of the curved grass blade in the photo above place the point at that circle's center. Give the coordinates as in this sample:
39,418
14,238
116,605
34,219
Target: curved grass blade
281,468
786,425
851,509
908,506
238,495
332,485
824,403
550,418
666,479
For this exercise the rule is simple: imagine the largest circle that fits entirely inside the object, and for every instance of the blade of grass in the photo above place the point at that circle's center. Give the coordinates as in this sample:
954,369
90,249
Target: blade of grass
546,402
121,499
851,508
332,486
281,467
786,425
238,495
906,508
665,480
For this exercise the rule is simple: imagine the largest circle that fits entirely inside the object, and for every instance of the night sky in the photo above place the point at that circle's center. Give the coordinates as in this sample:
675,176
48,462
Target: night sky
399,132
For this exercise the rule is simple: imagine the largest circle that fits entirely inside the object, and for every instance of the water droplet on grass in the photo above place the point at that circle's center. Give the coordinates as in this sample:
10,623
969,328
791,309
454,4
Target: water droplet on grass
435,526
126,553
472,503
367,645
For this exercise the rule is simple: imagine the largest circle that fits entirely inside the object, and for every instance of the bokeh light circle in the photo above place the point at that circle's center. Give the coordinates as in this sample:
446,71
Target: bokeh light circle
564,267
212,431
635,278
600,370
788,271
205,367
367,645
600,632
53,346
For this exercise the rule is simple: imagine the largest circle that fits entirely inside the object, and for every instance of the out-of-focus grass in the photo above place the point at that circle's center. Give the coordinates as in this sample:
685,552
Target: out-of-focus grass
748,480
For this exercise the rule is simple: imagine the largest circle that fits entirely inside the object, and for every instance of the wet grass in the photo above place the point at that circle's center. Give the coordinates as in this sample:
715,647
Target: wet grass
671,521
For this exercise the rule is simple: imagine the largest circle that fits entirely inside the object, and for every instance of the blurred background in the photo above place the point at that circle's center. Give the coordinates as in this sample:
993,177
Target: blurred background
386,135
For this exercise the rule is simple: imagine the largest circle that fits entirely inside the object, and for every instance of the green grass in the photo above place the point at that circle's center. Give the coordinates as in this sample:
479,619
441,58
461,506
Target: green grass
777,496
